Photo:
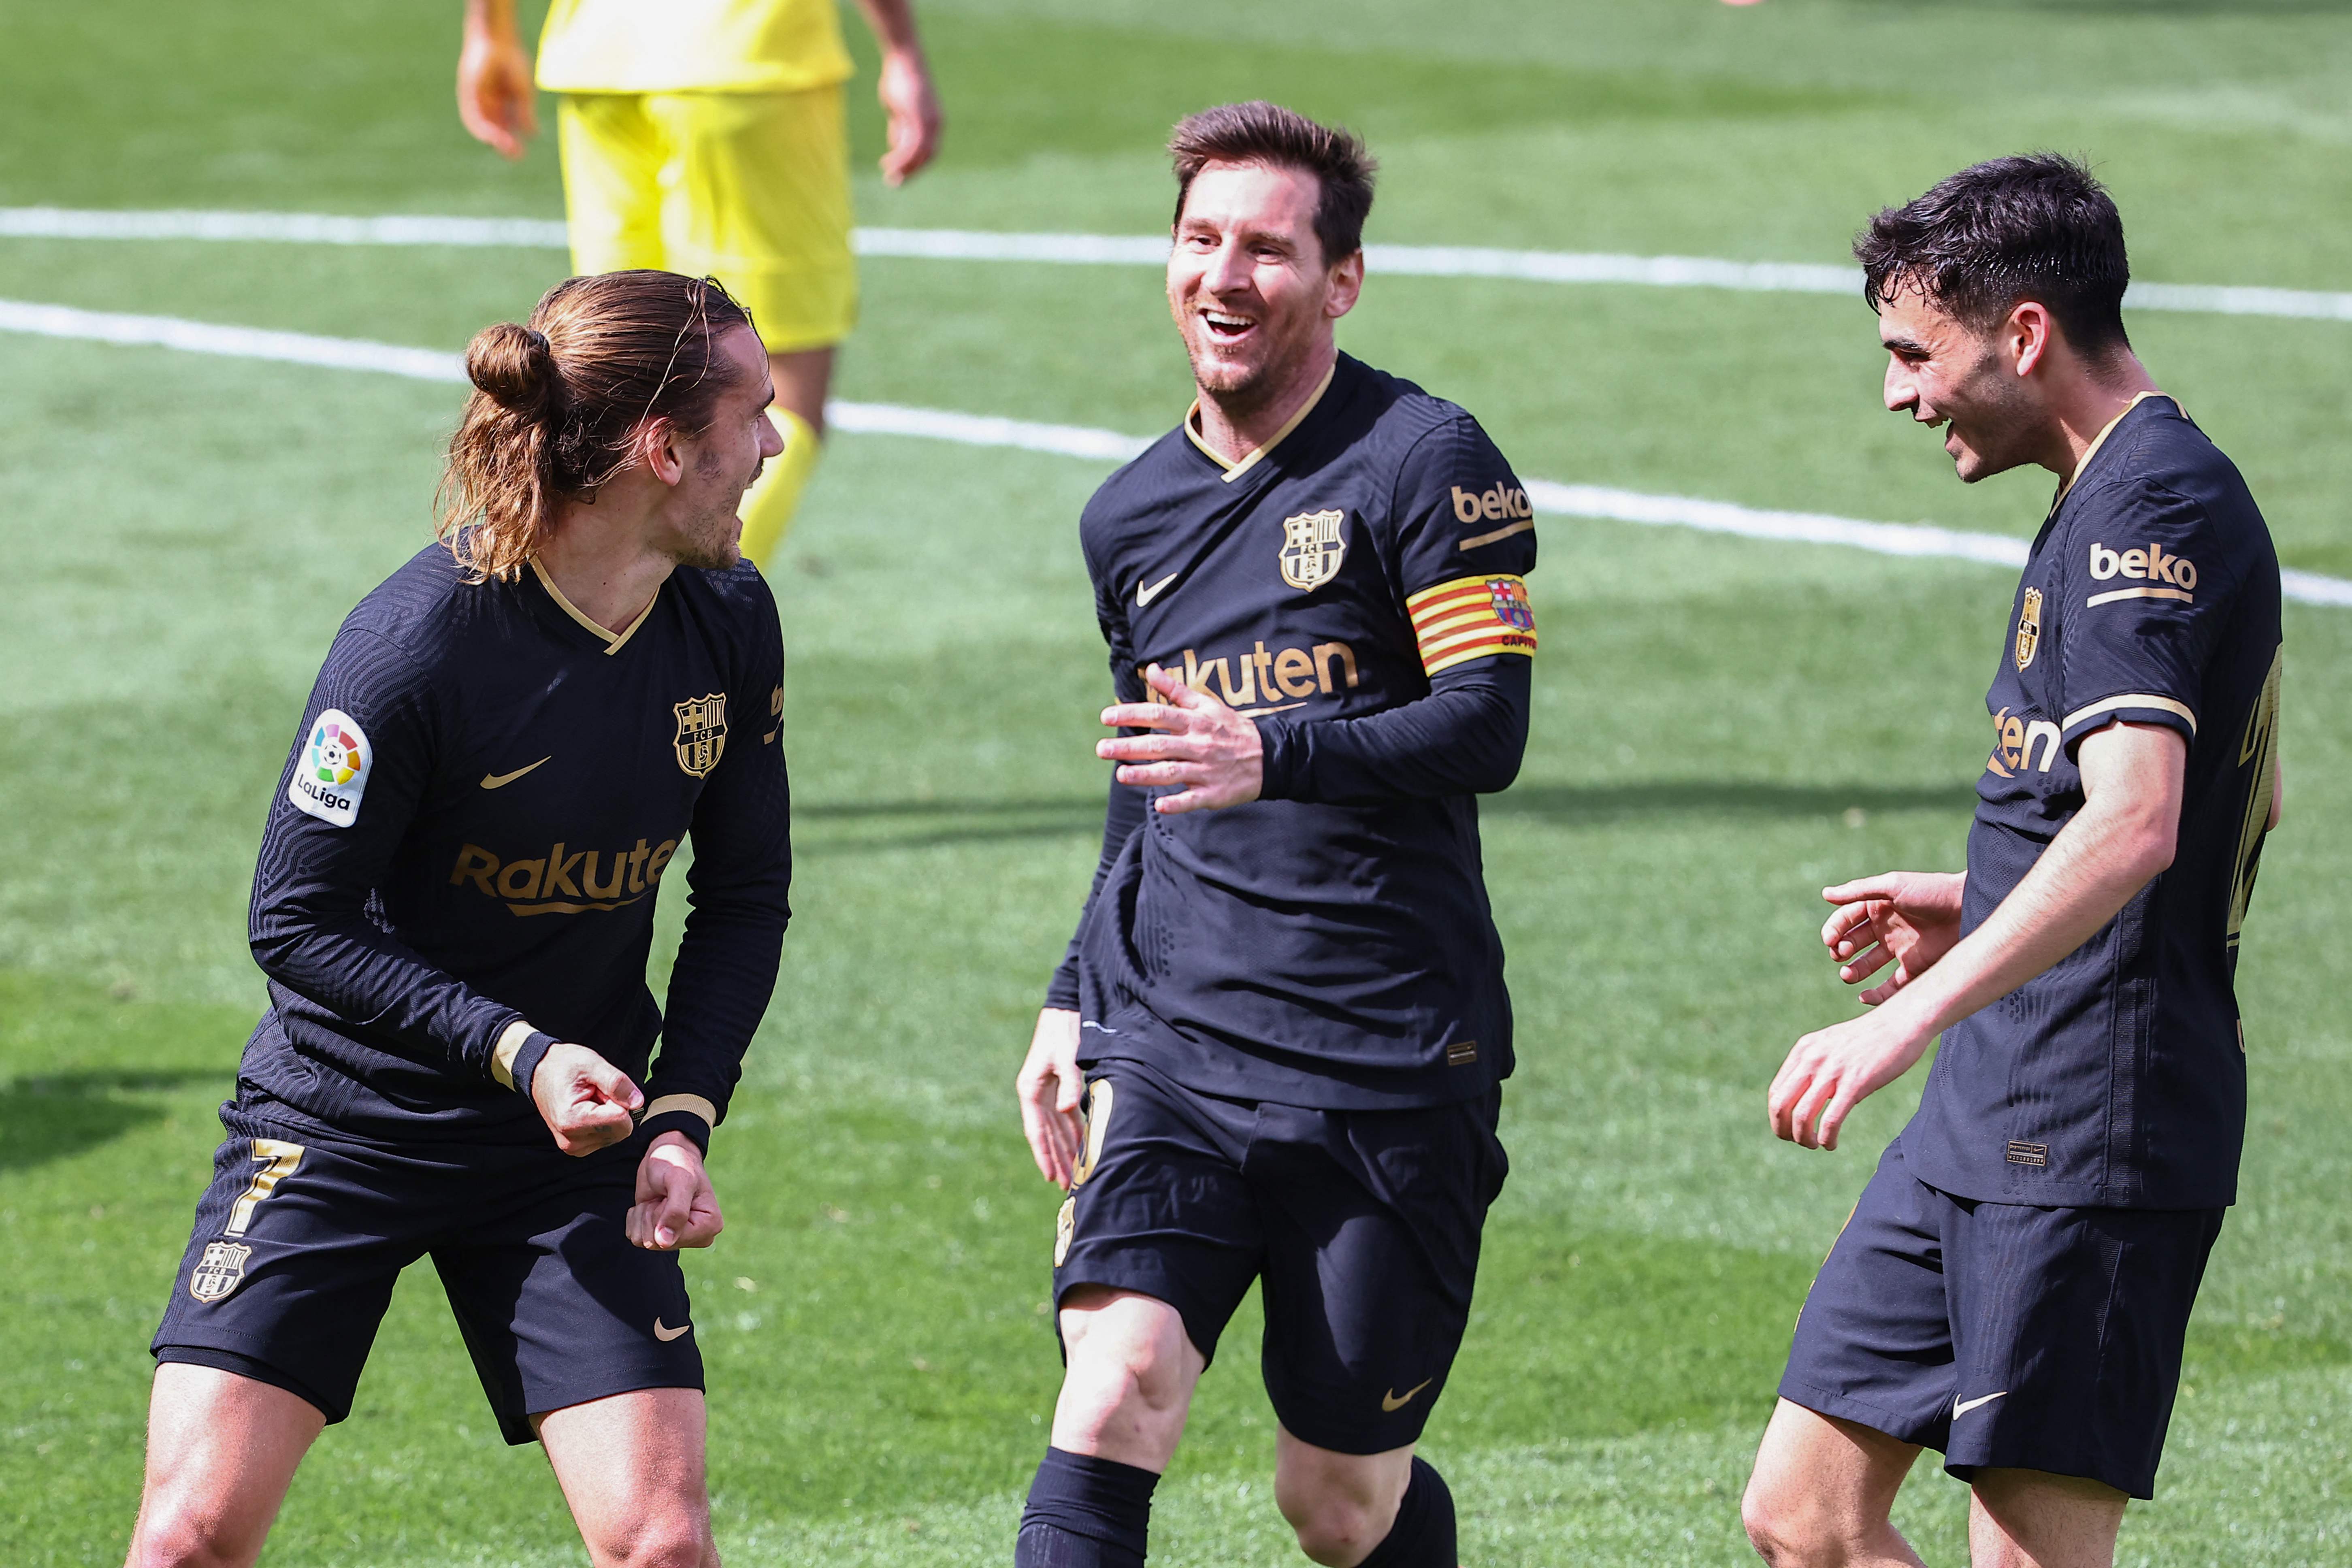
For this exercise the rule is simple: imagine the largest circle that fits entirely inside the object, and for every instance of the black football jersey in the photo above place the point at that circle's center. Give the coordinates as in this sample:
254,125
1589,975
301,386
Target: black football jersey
468,840
1334,948
2117,1079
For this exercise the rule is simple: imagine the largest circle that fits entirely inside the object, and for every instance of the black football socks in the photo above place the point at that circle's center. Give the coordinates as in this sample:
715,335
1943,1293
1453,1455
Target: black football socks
1423,1535
1086,1512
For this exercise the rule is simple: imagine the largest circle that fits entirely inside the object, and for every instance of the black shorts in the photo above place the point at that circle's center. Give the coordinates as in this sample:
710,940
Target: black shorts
1363,1224
2004,1335
299,1239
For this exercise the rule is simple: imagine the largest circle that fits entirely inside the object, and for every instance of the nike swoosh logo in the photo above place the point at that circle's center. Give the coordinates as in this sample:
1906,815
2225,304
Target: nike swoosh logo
499,781
666,1335
1144,595
1960,1410
1392,1399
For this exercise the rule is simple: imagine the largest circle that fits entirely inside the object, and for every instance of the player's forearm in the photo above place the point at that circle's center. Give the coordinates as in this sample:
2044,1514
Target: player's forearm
893,22
363,975
1122,815
1467,737
2096,864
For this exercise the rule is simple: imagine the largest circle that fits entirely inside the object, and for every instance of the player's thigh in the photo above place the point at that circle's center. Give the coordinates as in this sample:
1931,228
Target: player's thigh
1160,1207
2070,1326
613,157
1373,1225
221,1451
632,1468
2024,1518
758,198
292,1260
1873,1339
557,1308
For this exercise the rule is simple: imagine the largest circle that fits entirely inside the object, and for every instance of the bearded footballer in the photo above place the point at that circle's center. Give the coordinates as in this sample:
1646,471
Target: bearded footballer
1273,1052
509,743
2014,1286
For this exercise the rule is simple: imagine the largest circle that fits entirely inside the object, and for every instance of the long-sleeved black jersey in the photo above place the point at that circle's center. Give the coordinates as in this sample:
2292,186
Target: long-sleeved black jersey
462,860
1357,586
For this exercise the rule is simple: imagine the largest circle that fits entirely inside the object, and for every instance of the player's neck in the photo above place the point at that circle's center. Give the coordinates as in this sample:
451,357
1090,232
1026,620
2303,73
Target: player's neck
2092,400
604,565
1234,426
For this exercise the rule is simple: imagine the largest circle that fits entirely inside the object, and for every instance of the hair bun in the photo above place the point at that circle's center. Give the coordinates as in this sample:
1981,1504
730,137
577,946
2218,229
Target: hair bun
514,365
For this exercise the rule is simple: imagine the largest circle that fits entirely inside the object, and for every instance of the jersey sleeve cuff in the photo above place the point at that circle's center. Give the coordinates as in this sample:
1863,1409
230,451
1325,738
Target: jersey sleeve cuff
517,1054
2133,708
1282,758
688,1113
1062,991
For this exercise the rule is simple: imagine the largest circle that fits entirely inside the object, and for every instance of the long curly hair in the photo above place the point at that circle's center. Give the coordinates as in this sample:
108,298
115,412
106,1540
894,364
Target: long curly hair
563,403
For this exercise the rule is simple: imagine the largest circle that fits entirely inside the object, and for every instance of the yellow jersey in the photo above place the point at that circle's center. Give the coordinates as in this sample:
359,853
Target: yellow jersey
691,45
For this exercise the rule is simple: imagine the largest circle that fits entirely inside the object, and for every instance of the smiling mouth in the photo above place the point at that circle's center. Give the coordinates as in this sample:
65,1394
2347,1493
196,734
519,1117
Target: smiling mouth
1225,326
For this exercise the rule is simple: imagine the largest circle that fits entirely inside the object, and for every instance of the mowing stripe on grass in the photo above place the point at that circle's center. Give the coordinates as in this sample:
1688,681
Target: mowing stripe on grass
1117,250
1077,441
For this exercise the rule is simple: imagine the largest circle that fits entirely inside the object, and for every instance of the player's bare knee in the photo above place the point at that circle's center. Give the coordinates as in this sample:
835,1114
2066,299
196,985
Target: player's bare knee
1783,1529
1334,1530
660,1538
172,1535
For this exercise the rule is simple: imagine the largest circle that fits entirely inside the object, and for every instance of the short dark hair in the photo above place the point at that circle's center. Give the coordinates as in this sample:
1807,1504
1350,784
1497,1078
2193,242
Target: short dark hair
1263,132
2037,226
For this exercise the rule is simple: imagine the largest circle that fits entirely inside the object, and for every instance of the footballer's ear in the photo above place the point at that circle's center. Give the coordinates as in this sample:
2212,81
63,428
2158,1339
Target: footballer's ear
661,448
1347,286
2025,337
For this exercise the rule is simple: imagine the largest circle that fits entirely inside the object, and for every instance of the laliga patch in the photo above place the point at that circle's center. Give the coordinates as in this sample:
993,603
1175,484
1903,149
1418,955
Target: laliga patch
332,774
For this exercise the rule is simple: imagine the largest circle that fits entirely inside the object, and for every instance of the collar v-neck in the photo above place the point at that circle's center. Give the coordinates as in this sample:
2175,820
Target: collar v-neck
611,640
1256,454
2099,440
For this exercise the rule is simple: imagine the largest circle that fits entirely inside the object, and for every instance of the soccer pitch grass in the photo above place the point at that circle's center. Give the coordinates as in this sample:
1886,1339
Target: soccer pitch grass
1722,727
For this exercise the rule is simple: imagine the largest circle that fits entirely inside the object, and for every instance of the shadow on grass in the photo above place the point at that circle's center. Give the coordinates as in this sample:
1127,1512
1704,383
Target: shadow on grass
867,827
59,1115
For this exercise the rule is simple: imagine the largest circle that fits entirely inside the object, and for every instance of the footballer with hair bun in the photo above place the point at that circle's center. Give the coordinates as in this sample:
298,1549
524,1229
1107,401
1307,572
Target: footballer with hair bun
1273,1052
510,742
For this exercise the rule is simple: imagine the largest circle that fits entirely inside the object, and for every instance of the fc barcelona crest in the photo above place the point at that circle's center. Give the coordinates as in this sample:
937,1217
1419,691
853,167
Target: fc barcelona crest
2029,628
220,1272
701,732
1511,607
1312,546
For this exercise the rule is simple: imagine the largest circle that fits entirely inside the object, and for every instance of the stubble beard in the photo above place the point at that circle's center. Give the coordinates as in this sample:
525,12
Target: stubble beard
2002,419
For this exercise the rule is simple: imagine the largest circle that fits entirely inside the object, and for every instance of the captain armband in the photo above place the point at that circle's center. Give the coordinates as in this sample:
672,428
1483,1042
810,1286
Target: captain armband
1472,617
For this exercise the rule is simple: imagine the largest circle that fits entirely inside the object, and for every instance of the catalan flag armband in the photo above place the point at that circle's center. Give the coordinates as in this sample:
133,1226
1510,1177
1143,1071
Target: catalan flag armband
1472,617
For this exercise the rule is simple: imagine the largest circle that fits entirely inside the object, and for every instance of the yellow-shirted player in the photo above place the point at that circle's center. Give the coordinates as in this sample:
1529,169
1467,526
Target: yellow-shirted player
707,137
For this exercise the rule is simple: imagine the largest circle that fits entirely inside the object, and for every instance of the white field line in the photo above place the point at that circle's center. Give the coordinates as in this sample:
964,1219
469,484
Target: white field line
1079,441
1128,251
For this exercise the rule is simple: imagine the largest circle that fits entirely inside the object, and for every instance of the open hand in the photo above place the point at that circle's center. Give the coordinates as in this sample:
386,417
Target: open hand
675,1206
913,105
1201,743
495,94
586,1101
1049,1086
1832,1071
1908,918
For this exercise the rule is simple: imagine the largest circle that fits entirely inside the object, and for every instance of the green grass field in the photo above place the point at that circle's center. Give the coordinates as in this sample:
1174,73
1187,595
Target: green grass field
1722,727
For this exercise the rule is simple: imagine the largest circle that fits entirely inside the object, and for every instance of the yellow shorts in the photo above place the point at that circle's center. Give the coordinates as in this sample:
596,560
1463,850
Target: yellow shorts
752,188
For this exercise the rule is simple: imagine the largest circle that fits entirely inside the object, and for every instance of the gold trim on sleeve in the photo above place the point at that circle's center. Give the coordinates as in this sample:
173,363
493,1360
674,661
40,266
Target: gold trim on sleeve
2132,700
510,1043
1505,531
694,1102
2096,600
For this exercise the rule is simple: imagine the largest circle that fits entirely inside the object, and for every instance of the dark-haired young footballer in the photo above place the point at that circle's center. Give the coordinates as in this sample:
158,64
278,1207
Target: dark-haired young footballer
1285,1002
509,741
2014,1286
